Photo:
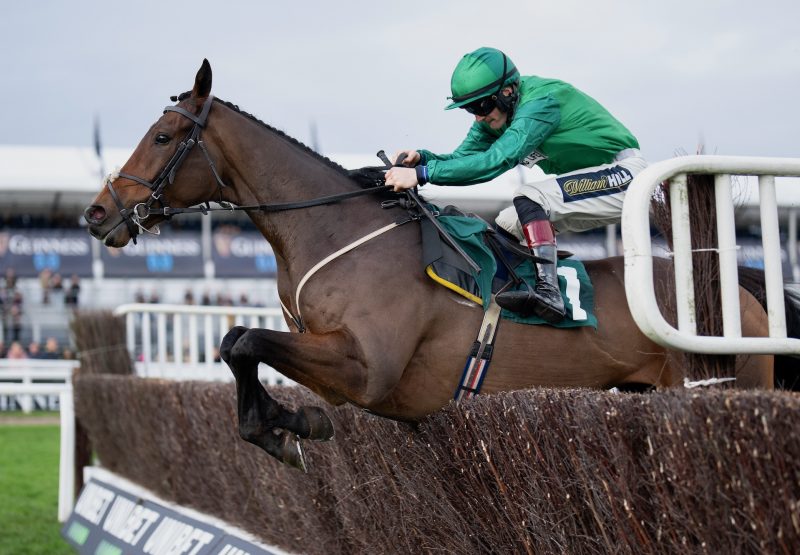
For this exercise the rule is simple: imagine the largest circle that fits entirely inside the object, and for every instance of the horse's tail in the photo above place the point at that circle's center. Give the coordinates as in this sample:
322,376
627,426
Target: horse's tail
787,368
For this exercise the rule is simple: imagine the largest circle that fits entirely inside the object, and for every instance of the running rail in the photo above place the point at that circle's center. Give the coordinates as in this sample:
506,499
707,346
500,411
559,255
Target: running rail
639,284
179,341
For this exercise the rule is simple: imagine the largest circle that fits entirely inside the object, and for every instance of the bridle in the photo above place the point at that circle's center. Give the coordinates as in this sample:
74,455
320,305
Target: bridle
133,217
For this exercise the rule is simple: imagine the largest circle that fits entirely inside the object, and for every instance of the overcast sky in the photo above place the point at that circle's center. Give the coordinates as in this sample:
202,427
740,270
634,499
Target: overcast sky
371,75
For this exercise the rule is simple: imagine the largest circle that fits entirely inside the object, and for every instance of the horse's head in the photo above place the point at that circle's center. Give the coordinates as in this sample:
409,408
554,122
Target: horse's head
171,168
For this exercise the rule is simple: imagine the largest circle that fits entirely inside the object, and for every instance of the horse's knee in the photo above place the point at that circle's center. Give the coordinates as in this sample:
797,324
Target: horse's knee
245,351
229,341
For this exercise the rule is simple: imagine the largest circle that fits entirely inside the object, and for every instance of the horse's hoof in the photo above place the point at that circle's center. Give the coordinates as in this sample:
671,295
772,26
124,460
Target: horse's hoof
229,341
320,427
292,452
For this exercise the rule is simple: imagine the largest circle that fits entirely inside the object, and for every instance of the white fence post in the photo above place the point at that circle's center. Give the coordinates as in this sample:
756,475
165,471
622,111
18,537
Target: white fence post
639,286
771,240
728,261
66,466
681,237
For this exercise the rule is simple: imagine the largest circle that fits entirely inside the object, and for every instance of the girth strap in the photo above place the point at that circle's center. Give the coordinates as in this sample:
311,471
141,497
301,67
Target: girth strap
480,356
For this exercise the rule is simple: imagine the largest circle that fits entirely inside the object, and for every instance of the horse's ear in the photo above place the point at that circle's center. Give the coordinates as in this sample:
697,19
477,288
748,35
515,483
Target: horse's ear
202,83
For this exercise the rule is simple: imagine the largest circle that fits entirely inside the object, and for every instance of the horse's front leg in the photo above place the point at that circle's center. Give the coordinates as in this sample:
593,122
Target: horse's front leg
262,420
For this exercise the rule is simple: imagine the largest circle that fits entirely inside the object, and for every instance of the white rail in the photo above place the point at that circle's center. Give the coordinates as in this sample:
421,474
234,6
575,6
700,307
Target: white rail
639,286
181,341
32,371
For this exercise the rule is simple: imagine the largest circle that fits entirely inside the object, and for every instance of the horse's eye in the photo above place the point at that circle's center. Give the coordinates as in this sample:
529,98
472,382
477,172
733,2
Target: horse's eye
162,139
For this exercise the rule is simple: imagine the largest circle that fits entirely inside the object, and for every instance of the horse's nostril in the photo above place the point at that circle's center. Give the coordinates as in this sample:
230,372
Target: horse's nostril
94,214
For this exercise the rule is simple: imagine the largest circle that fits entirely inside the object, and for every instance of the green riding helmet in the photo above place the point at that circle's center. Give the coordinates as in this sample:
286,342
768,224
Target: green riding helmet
481,73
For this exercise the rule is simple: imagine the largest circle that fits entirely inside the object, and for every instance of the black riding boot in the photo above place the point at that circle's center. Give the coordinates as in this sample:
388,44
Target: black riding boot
544,299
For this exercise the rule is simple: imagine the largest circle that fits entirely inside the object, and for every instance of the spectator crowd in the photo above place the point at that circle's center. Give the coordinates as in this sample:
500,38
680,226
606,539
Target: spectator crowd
12,308
11,302
206,299
51,350
52,285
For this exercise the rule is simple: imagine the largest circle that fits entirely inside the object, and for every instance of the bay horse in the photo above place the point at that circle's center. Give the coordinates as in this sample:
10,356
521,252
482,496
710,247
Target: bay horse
376,332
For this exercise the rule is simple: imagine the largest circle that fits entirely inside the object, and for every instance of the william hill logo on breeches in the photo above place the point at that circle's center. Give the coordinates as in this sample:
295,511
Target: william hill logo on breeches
594,184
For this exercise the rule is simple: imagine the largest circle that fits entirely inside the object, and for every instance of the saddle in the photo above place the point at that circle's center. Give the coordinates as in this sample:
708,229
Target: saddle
463,253
504,264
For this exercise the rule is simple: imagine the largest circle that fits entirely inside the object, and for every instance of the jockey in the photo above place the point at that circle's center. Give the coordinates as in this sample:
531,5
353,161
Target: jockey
589,158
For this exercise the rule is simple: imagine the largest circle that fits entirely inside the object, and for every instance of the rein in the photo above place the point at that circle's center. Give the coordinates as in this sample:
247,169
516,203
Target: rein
134,217
274,207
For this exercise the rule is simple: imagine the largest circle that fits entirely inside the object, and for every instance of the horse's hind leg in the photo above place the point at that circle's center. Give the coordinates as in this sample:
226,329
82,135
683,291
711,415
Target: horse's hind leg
262,420
754,371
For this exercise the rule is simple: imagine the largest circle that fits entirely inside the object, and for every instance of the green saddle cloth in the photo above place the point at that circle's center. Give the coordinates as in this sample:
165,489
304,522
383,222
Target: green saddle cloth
451,271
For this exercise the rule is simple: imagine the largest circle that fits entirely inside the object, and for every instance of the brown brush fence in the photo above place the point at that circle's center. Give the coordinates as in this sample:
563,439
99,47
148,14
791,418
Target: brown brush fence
100,337
539,471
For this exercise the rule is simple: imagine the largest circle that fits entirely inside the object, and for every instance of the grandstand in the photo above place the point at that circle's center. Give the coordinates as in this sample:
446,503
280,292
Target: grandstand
215,259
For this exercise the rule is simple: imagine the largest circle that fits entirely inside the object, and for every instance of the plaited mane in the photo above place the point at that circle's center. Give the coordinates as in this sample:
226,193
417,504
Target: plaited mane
367,177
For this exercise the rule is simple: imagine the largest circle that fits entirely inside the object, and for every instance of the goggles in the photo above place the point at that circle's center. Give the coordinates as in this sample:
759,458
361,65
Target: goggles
482,106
